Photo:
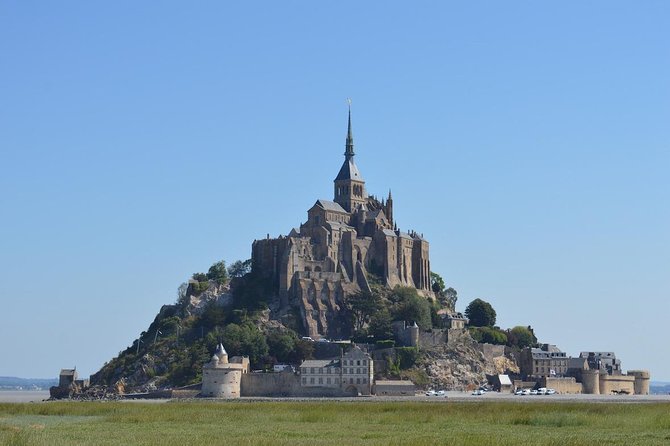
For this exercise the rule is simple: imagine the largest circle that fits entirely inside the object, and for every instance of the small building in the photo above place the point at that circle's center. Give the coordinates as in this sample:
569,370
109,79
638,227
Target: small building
394,388
67,377
502,384
353,372
221,378
455,321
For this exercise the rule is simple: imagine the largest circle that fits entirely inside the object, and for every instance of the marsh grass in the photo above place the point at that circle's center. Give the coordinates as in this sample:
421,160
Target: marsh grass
332,422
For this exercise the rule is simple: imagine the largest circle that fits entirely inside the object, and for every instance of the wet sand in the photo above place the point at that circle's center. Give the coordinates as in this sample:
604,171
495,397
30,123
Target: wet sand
23,396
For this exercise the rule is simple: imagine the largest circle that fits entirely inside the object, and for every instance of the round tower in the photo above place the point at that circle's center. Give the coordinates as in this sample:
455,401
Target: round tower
641,381
591,382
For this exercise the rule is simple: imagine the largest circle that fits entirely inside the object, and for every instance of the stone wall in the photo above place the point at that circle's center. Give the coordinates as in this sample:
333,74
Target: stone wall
284,384
561,385
616,383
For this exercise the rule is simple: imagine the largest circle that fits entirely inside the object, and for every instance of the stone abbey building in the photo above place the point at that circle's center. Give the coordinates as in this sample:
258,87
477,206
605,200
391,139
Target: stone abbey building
334,253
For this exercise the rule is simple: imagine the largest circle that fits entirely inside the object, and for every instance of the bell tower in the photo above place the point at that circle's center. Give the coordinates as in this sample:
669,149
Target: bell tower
350,190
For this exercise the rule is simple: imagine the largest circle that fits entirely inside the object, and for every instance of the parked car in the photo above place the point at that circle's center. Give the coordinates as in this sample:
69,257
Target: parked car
542,391
533,392
478,392
431,393
551,391
441,393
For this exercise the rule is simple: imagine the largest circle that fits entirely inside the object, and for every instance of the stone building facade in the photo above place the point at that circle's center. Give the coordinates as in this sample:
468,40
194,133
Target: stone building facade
333,253
353,372
548,360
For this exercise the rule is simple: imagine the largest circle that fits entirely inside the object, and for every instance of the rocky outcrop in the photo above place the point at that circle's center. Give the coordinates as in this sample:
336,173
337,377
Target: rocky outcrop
462,364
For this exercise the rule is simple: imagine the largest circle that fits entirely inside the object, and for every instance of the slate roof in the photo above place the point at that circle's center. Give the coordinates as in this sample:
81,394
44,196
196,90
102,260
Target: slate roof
331,206
67,372
319,363
389,232
349,171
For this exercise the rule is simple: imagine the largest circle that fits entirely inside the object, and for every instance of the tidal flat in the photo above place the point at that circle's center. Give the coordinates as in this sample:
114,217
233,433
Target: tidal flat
334,422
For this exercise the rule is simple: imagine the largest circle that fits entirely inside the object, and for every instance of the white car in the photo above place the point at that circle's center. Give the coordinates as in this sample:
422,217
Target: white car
519,392
542,391
478,392
441,393
533,392
551,392
431,393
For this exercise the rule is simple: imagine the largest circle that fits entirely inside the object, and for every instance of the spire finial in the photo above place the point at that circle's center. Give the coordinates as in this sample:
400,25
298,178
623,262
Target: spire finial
349,152
390,197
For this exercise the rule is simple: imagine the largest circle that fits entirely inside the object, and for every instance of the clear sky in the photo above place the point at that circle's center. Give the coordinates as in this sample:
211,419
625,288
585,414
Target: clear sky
142,141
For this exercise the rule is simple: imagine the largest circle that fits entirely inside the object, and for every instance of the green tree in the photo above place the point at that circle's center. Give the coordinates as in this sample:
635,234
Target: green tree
218,272
380,325
480,313
409,306
363,305
281,345
436,283
521,337
488,335
239,268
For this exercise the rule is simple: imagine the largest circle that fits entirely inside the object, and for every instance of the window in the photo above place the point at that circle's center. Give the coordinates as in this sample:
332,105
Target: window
327,380
358,371
358,362
365,380
320,380
304,381
365,362
312,370
337,380
321,370
311,380
328,370
351,380
358,380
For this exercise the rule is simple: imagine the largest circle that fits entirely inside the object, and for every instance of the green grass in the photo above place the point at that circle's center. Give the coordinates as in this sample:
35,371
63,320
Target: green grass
341,423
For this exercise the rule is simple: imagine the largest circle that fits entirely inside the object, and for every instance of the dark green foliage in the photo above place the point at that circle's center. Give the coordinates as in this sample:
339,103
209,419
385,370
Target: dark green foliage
199,277
362,306
281,345
481,314
239,268
521,337
407,356
409,306
388,343
488,335
245,340
218,272
380,325
212,316
436,283
252,292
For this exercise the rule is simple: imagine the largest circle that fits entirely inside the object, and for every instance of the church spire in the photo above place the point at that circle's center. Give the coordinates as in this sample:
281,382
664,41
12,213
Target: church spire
349,152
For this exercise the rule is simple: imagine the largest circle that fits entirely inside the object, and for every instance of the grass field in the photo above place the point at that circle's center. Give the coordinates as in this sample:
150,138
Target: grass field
338,423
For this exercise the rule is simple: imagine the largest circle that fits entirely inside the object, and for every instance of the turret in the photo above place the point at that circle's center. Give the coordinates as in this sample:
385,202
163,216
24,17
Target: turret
389,208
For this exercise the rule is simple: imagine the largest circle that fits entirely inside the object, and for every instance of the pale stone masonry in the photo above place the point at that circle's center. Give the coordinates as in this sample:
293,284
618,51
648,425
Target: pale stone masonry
353,372
332,254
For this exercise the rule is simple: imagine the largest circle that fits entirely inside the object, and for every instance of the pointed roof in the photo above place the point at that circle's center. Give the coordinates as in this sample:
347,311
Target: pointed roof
349,171
220,350
349,150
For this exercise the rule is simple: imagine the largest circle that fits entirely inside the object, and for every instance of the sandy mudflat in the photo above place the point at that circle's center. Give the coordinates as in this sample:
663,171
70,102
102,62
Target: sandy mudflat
23,396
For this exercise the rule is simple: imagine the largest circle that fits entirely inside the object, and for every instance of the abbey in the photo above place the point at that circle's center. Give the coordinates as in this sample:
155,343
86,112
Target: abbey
339,249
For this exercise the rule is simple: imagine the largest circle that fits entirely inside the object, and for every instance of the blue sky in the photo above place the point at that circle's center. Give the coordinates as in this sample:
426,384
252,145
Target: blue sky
140,143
